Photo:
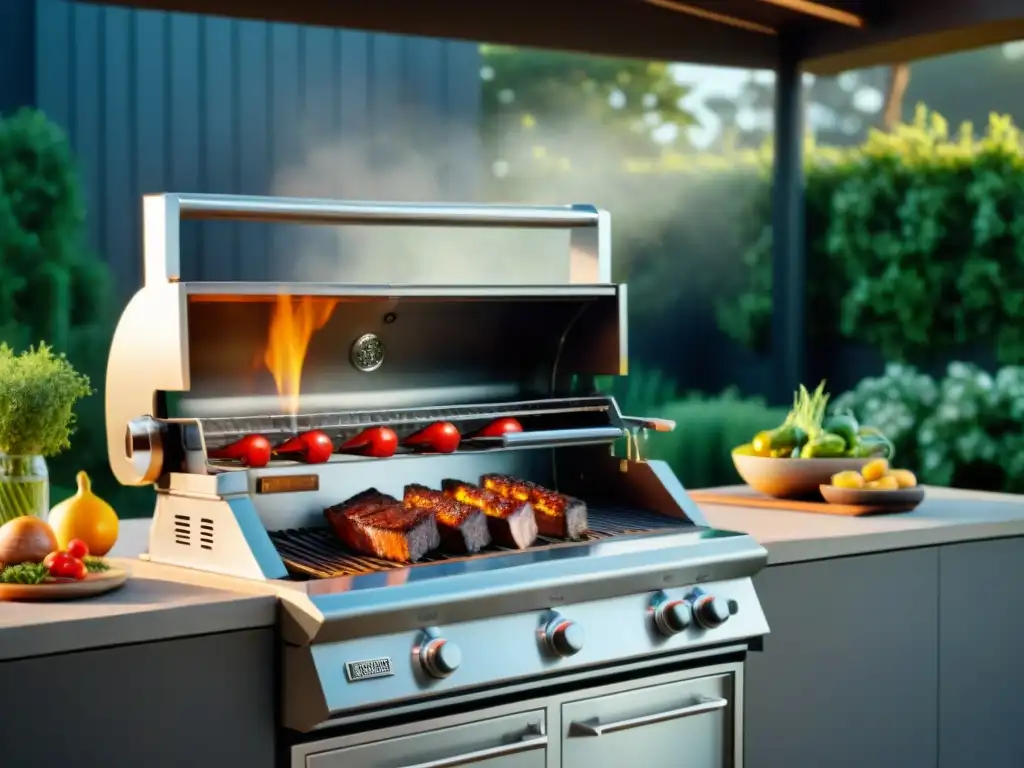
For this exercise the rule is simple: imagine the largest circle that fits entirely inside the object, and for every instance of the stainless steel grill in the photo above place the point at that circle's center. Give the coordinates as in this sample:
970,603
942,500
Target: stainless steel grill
647,589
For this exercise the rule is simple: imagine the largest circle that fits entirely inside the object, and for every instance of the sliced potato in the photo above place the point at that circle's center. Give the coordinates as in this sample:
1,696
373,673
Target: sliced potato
875,470
848,479
886,483
904,478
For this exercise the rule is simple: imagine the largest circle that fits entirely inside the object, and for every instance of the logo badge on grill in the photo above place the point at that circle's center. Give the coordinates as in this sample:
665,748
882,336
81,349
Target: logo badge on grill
368,669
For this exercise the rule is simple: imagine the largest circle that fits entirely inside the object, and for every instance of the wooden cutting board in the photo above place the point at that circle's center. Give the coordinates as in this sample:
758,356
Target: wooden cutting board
745,496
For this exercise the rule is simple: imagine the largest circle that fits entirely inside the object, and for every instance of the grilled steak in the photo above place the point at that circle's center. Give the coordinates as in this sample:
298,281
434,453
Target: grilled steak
463,528
511,523
558,515
376,524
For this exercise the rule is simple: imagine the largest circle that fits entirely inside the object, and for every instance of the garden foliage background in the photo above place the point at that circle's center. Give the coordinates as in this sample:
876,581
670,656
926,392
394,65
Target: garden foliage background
915,300
915,249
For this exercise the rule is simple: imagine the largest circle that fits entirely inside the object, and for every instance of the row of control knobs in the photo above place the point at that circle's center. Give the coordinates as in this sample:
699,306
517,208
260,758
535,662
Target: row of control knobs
562,637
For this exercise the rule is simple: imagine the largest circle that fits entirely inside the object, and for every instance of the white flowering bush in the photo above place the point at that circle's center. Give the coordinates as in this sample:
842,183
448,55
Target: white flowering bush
966,430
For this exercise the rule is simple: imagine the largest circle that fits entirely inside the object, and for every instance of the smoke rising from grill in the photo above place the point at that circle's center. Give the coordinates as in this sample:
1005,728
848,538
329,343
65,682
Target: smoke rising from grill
419,160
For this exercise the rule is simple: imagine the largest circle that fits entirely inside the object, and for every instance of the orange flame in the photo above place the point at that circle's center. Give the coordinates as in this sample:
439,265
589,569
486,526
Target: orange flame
293,322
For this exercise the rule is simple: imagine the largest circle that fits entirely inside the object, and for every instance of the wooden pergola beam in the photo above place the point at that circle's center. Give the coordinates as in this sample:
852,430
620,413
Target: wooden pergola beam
820,11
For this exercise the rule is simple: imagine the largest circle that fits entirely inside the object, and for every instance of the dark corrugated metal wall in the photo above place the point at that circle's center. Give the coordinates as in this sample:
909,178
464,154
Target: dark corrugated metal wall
176,102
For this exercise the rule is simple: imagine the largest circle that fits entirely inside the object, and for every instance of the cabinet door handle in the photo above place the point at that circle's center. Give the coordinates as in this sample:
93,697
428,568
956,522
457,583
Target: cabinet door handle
526,745
702,706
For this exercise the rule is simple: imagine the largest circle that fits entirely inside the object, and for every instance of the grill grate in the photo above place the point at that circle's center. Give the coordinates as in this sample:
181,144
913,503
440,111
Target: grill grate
317,553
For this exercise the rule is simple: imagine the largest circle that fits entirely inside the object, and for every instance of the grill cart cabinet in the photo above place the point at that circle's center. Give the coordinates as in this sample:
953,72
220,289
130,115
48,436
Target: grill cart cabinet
905,659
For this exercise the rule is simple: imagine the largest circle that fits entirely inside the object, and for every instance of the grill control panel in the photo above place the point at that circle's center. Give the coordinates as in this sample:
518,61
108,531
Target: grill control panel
460,656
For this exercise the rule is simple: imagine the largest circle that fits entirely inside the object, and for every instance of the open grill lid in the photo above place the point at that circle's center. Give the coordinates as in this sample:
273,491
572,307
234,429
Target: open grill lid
200,354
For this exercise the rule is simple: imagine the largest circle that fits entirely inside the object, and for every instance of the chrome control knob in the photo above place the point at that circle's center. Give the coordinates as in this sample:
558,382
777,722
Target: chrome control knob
672,617
564,637
711,612
440,657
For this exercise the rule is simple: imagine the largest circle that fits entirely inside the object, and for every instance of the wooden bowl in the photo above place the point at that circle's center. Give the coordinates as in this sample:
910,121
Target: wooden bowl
791,478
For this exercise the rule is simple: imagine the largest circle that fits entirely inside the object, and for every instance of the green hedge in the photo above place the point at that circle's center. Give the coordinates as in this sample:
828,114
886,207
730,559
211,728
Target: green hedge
915,243
915,240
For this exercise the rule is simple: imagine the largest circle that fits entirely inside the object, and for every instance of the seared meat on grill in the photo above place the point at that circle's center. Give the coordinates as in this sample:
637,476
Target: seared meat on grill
463,528
511,523
558,515
376,524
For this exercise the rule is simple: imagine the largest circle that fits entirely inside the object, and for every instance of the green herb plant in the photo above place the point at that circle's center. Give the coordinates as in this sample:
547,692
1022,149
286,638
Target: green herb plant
38,392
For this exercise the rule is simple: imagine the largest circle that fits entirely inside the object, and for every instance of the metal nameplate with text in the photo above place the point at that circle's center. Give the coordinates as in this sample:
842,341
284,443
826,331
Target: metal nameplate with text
288,484
368,669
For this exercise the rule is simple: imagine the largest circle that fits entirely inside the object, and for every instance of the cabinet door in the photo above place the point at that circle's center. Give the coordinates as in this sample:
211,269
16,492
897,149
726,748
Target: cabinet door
848,677
514,741
981,699
667,726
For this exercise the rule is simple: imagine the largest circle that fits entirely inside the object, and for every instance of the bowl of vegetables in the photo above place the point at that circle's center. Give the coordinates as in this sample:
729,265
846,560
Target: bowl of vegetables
803,453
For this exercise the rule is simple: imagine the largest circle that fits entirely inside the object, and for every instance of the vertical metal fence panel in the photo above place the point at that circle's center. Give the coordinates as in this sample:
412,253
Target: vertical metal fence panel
156,101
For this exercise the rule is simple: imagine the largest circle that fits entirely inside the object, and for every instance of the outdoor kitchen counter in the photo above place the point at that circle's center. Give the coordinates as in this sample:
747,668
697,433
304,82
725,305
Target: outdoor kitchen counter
160,602
946,516
155,604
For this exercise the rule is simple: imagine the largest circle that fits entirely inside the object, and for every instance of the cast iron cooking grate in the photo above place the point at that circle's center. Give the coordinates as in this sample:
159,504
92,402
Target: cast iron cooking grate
317,553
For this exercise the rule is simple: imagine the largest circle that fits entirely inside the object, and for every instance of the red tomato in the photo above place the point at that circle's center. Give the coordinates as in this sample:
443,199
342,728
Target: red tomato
379,442
64,566
441,436
48,560
312,447
251,450
500,427
77,548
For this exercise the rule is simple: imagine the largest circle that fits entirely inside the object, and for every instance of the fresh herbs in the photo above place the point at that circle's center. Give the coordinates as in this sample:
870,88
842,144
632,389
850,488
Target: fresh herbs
26,573
95,564
38,391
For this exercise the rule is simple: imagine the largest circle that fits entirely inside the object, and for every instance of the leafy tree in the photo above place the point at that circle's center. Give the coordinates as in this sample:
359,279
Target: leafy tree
52,287
567,105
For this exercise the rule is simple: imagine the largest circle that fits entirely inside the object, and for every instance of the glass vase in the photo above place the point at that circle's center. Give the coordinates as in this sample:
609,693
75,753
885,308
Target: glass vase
24,487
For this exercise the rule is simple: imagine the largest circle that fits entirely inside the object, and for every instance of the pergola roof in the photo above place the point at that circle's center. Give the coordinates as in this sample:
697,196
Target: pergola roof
830,35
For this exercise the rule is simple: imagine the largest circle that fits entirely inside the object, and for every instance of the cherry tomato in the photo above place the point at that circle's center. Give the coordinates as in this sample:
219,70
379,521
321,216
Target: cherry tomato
441,436
64,566
312,447
500,427
48,560
251,450
77,548
379,442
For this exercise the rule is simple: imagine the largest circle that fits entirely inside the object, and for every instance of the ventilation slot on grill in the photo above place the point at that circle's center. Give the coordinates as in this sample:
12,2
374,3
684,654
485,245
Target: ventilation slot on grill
183,530
206,533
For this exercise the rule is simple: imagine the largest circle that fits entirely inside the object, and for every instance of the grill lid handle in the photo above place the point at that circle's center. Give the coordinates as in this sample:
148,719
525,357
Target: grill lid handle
162,215
555,438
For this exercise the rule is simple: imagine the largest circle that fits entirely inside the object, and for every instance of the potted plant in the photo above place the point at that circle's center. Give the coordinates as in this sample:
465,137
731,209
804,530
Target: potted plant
38,392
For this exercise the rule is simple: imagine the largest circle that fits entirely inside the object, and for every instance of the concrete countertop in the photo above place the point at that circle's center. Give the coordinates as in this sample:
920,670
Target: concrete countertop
162,602
946,516
155,604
